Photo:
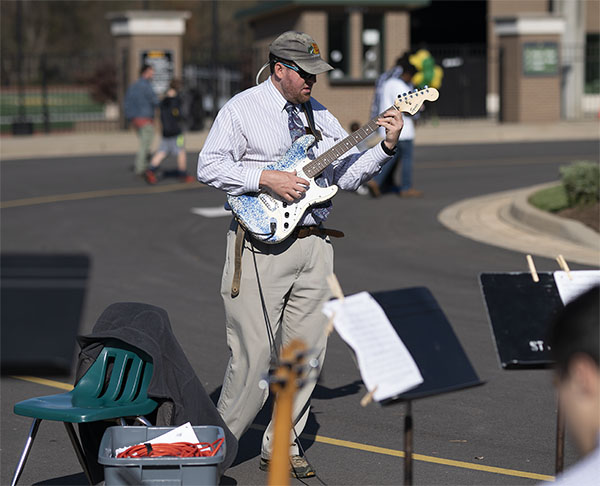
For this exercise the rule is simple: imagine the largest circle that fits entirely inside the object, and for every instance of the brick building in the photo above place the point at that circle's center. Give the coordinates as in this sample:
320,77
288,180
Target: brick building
362,38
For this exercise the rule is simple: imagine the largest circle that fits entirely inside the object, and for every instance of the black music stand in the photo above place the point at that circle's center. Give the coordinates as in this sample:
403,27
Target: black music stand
520,312
423,328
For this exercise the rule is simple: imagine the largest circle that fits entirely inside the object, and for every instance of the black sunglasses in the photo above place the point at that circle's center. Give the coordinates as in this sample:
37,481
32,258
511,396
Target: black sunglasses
303,74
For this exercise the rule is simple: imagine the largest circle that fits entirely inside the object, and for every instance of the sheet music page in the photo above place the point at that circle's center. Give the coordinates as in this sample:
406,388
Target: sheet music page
582,281
383,359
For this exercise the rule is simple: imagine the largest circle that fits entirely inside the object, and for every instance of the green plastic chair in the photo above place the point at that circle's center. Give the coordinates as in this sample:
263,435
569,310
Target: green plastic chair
93,399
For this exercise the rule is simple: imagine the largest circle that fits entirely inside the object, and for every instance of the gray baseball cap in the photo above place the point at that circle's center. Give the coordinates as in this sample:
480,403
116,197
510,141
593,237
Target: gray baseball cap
300,48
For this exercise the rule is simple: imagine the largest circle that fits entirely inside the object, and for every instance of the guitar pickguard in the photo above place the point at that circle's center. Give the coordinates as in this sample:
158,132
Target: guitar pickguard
269,218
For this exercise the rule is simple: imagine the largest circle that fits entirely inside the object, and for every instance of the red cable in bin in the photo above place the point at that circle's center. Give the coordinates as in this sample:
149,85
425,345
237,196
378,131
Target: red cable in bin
175,449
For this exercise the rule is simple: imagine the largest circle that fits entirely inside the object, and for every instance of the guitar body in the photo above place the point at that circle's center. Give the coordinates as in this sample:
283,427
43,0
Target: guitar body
269,218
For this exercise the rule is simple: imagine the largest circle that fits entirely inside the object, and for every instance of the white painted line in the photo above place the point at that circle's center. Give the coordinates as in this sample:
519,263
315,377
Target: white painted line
216,212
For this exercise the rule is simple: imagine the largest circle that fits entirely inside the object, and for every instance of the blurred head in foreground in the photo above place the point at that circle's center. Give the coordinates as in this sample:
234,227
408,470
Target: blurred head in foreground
575,346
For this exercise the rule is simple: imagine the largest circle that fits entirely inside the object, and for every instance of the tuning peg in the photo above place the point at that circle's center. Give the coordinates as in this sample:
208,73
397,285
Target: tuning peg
425,87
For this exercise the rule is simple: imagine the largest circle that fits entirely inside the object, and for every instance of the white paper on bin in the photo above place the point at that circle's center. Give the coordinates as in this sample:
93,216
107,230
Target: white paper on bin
183,433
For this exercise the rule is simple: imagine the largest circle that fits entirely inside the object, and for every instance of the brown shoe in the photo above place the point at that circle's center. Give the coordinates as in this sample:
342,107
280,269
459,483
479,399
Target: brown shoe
411,193
374,188
299,467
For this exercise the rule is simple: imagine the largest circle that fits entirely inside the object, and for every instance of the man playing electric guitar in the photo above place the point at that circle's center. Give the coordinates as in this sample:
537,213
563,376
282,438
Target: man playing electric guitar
270,287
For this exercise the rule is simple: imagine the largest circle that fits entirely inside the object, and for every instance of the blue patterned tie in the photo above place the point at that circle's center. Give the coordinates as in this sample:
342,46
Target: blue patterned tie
321,211
294,122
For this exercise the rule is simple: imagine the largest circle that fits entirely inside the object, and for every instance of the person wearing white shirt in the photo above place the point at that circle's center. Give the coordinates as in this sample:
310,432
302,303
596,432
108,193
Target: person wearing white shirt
575,344
279,288
403,158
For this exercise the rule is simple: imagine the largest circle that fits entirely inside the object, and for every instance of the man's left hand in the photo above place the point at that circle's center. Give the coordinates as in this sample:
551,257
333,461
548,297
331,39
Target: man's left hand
392,121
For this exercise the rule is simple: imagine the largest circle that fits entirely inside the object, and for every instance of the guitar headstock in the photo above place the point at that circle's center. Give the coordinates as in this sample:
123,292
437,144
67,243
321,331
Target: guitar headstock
411,101
290,369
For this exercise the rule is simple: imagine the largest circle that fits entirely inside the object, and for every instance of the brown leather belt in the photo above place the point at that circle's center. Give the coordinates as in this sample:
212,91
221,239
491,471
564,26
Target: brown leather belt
299,232
304,231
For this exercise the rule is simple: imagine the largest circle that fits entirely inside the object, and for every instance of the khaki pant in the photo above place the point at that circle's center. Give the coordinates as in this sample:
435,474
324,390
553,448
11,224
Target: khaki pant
293,279
146,135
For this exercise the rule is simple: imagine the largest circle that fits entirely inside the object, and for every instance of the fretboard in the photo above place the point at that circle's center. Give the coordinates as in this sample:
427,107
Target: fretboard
314,168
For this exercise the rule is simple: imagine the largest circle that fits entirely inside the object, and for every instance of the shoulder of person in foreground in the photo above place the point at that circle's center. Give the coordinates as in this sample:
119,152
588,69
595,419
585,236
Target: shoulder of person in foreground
584,473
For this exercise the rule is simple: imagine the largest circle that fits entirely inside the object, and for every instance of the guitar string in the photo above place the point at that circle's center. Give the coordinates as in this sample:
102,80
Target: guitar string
350,141
315,167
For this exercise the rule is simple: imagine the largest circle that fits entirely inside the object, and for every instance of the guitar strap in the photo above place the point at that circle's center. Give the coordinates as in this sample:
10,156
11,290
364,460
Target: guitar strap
240,235
311,129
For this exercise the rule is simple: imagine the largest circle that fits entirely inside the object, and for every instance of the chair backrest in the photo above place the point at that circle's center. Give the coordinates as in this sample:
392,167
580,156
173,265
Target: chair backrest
117,377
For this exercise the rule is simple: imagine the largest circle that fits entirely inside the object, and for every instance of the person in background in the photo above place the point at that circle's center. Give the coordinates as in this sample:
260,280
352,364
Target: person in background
172,142
390,89
575,344
140,103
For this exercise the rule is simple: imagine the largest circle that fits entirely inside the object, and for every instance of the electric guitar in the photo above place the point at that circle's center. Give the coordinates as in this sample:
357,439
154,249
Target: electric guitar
269,218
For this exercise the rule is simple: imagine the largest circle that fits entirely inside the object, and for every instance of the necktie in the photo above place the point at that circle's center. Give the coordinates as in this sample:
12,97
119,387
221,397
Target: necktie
296,127
294,122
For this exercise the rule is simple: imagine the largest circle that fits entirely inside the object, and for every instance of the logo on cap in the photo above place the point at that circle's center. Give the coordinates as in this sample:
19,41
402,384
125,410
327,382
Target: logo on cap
314,49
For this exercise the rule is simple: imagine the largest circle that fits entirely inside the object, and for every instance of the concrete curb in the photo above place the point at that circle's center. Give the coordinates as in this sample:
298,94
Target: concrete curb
545,222
497,220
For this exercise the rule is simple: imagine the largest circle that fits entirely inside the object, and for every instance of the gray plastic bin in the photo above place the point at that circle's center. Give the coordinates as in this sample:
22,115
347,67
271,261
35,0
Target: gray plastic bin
163,471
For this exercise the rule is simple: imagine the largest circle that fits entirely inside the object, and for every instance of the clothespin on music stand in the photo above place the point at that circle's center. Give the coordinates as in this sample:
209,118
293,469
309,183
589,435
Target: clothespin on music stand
336,290
368,398
564,267
532,269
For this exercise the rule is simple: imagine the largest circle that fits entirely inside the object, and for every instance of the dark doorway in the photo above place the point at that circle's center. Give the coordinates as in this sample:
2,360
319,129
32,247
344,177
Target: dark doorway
455,35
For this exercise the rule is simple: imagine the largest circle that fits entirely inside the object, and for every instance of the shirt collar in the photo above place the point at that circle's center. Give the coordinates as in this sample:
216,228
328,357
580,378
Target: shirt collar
276,96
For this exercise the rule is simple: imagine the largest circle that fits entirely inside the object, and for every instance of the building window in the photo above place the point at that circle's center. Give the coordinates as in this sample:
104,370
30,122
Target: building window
339,45
592,64
372,45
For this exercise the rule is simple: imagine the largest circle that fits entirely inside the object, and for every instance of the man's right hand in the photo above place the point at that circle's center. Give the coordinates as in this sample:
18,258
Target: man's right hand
286,185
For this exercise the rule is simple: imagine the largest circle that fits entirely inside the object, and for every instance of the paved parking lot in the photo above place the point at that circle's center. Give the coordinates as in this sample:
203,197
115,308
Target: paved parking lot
148,244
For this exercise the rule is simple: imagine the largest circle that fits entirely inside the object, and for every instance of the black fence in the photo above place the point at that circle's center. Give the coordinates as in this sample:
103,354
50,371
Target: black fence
54,94
59,93
464,83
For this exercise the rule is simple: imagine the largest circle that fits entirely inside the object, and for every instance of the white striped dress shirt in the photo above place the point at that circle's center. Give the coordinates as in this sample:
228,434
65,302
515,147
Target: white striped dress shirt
251,131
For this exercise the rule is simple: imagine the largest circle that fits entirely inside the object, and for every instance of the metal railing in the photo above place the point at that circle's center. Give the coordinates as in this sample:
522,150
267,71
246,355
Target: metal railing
60,93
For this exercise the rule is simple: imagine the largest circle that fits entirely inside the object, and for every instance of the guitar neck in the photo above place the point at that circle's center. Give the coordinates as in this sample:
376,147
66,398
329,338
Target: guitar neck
314,168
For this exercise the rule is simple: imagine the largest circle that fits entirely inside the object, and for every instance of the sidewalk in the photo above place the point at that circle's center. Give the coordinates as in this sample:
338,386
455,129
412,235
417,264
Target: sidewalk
442,133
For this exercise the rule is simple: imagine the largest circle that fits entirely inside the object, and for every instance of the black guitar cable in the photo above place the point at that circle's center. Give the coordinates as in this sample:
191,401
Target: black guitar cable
275,361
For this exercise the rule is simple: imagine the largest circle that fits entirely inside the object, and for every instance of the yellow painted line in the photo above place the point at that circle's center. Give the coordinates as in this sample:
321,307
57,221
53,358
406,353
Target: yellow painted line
44,381
435,460
357,445
419,457
79,196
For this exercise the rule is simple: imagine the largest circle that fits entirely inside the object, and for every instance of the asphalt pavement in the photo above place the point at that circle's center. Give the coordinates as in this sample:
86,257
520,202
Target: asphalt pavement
164,245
